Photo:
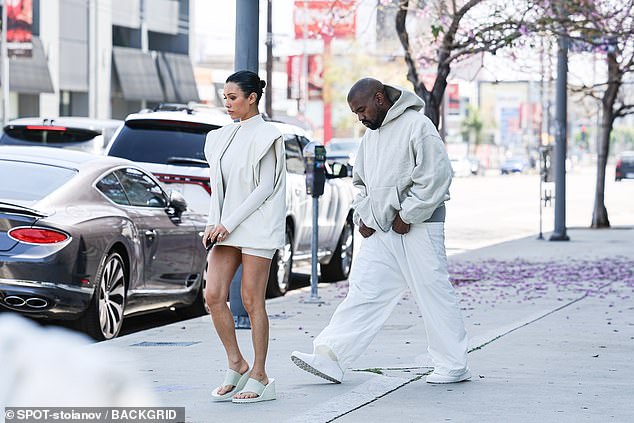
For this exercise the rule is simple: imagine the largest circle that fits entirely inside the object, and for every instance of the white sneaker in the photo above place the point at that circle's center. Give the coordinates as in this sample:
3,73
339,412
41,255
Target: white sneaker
319,365
435,377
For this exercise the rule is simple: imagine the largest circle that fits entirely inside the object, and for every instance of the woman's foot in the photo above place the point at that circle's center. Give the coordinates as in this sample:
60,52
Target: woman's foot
241,368
260,377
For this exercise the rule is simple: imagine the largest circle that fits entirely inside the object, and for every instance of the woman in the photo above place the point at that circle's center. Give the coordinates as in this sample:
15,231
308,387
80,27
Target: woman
246,222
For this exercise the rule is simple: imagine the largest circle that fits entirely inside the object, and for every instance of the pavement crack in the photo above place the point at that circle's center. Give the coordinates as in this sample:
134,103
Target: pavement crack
538,318
378,397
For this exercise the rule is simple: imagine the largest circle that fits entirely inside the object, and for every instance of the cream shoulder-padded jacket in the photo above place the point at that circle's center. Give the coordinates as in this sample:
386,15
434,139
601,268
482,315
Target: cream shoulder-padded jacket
401,167
265,227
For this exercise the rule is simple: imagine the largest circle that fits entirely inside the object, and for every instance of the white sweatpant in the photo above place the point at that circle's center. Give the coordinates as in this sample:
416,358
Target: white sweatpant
386,265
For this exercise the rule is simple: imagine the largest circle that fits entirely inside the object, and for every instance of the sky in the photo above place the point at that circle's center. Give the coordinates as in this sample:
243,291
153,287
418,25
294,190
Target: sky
214,25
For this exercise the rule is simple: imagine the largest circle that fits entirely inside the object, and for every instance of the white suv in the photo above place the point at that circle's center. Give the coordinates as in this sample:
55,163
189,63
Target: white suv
169,142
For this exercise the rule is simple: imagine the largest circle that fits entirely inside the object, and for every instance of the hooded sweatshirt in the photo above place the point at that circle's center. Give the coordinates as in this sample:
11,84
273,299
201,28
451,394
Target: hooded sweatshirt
401,168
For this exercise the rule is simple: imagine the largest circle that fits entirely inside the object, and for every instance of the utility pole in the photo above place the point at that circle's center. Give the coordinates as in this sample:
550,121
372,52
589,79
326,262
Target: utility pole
5,67
268,105
247,35
559,234
145,43
246,58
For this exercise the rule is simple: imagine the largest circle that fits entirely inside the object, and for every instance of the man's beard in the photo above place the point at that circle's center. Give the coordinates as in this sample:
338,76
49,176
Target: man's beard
372,124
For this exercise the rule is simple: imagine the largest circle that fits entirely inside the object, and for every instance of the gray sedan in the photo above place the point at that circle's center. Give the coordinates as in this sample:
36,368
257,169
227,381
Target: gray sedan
93,239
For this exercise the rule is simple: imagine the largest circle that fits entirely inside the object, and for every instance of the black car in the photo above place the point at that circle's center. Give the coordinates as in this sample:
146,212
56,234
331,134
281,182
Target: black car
93,239
625,166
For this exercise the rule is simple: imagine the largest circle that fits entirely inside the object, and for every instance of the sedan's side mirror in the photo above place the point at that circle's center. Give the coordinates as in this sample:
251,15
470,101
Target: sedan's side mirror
177,204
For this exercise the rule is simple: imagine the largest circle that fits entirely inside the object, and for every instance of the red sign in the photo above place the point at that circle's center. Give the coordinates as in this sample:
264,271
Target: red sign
295,72
19,27
317,18
453,99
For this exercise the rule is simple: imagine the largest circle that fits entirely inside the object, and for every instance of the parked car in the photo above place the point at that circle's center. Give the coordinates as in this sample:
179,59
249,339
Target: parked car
92,239
343,150
76,133
624,166
461,166
171,145
513,165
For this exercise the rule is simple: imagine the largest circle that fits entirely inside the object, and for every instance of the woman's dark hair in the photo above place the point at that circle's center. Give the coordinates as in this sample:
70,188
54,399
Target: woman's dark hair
249,82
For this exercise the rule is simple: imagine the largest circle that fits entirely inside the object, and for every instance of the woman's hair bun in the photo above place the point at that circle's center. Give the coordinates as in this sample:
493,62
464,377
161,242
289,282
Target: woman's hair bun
262,84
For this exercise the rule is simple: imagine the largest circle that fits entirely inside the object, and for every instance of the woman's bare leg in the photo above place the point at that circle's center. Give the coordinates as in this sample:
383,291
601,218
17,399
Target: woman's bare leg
222,263
255,274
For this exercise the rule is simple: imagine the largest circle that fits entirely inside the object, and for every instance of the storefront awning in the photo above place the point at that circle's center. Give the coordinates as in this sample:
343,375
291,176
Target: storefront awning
137,74
30,75
177,75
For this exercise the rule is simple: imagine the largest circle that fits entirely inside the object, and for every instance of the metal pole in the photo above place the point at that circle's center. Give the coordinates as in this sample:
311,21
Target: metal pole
5,68
559,234
145,42
314,276
247,26
246,58
542,170
268,105
304,85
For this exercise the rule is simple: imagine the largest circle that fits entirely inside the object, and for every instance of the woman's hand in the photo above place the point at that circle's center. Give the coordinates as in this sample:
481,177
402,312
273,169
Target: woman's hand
218,233
207,234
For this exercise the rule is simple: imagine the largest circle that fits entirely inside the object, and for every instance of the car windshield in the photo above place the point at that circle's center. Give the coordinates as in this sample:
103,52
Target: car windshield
338,147
162,141
26,183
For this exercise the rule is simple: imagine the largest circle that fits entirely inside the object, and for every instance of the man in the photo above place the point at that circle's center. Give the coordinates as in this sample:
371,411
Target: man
403,174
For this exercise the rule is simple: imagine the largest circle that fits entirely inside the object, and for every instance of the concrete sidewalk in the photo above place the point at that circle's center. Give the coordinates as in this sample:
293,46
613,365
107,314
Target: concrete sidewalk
551,328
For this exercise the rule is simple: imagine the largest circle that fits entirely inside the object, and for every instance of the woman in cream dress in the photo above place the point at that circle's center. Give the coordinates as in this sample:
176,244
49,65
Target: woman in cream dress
247,224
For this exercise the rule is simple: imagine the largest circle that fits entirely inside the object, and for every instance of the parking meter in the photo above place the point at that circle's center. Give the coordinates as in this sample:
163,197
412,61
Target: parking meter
315,155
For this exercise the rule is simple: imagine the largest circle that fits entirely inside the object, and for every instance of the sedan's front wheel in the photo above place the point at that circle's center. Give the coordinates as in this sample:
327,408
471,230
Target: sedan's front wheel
104,317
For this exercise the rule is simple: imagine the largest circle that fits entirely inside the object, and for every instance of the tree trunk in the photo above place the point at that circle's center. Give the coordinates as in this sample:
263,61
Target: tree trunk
433,97
599,212
432,105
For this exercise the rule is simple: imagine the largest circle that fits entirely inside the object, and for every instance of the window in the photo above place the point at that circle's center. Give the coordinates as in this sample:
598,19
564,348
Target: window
162,141
140,189
47,134
294,161
27,183
111,188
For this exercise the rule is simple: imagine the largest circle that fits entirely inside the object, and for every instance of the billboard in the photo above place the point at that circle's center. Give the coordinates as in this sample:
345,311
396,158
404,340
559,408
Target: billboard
19,27
318,19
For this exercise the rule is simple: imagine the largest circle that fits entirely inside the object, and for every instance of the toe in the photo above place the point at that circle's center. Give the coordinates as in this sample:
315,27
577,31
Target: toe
224,389
245,395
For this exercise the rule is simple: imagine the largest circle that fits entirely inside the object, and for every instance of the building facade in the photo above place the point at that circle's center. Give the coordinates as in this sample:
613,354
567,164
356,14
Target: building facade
104,58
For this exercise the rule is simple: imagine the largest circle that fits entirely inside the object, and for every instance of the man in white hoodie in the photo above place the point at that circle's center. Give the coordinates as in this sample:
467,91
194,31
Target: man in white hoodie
403,175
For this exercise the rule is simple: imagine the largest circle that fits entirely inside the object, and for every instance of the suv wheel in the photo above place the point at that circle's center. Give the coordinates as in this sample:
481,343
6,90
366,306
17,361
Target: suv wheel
280,274
338,268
